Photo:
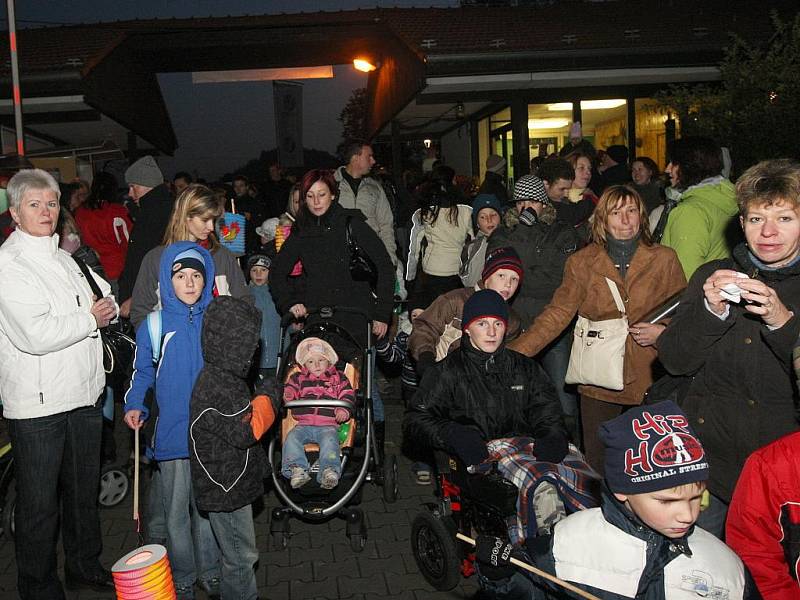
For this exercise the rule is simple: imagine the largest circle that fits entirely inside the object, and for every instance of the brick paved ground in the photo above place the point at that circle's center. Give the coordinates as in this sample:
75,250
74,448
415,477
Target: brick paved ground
318,562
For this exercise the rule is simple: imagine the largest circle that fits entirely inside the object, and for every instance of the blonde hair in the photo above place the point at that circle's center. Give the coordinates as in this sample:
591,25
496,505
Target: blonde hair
195,201
616,196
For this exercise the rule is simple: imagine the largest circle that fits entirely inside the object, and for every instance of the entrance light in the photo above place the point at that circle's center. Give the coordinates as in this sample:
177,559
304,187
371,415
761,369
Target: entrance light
547,123
588,104
363,65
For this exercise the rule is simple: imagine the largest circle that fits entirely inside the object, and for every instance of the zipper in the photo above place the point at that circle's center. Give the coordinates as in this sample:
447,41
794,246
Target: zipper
191,314
78,299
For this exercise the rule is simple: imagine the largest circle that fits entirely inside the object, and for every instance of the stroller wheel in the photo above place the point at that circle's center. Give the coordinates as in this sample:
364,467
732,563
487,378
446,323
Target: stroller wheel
114,486
435,551
358,542
390,476
8,511
280,540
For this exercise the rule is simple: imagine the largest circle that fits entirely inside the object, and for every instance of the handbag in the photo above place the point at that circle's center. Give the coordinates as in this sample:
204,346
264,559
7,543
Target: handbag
362,267
119,340
598,349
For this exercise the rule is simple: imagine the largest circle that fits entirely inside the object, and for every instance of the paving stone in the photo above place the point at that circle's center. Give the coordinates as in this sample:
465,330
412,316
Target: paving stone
348,586
310,555
375,566
299,572
279,591
313,589
398,583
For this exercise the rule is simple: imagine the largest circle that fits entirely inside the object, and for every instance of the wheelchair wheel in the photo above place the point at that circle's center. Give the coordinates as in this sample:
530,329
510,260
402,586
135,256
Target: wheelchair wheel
435,551
390,475
114,486
8,512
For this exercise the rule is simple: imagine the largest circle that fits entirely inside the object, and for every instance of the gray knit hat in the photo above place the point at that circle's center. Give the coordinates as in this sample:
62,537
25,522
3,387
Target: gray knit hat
495,164
144,172
530,187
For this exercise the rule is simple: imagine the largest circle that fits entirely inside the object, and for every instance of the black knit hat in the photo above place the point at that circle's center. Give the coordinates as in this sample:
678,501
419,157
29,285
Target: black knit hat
530,187
259,260
651,448
618,153
502,258
484,303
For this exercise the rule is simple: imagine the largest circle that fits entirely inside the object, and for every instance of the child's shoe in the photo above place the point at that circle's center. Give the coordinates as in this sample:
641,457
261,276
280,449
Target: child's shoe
299,478
329,479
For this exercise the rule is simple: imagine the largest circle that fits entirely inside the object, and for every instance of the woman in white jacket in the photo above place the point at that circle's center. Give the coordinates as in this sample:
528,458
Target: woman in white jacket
51,376
438,233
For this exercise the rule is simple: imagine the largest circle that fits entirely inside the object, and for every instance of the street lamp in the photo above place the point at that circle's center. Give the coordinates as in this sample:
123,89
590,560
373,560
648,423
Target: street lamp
364,65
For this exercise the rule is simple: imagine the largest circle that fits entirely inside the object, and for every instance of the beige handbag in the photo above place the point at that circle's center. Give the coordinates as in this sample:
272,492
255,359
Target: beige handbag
598,349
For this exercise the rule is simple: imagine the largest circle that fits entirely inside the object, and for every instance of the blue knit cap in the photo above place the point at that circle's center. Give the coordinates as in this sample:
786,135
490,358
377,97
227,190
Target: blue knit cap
484,303
189,259
484,201
651,448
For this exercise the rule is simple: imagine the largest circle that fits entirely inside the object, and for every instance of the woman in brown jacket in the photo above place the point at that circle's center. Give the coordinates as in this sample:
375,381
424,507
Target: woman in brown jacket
646,275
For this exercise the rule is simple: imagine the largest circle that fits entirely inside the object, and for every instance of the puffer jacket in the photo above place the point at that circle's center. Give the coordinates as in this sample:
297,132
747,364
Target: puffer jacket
611,554
180,359
438,329
653,276
501,395
372,201
331,385
52,355
743,395
543,249
227,463
445,240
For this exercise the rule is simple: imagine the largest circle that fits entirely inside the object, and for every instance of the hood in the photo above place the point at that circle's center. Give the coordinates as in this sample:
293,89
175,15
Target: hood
231,330
169,301
511,217
716,192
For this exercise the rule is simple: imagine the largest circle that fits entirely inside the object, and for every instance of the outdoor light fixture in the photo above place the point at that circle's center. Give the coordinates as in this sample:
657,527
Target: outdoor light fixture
364,65
547,123
427,143
587,104
460,110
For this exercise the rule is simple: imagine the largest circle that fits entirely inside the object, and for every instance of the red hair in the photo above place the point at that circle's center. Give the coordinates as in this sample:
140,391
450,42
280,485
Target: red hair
309,179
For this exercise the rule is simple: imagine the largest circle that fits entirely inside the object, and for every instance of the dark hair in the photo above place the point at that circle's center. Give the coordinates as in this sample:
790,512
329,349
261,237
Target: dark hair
649,164
183,175
104,189
439,192
572,158
697,158
240,177
554,169
67,189
304,216
353,148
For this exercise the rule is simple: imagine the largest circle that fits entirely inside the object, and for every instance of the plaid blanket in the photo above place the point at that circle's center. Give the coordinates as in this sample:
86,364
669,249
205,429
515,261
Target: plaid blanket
573,479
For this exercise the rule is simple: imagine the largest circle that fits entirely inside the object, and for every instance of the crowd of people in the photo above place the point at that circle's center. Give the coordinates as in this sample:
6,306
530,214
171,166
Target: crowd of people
525,317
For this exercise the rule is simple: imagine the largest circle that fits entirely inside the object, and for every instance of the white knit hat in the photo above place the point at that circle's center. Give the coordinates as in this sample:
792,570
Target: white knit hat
315,346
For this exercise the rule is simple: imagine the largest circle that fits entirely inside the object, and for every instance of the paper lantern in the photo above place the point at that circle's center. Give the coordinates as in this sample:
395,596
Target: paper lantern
230,230
144,574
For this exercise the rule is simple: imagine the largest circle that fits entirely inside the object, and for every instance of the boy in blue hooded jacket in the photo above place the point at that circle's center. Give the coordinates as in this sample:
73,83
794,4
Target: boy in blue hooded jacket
186,279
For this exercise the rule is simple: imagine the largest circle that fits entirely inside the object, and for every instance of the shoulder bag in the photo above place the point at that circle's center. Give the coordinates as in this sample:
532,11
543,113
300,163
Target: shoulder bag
598,349
362,267
119,339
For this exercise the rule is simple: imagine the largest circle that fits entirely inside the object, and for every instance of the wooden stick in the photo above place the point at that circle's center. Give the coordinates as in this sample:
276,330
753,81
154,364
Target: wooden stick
539,572
136,477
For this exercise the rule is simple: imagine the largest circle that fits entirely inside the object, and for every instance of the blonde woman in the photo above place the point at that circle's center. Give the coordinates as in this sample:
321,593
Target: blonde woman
193,219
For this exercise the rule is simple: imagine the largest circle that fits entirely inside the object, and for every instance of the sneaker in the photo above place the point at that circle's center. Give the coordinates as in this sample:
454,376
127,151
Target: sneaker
184,592
299,478
329,479
210,587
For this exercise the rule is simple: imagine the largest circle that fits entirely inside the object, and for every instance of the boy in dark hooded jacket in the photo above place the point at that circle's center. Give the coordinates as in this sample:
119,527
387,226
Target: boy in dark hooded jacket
228,465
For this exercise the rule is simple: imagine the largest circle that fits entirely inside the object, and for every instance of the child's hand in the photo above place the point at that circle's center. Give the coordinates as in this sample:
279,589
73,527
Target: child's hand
133,419
341,415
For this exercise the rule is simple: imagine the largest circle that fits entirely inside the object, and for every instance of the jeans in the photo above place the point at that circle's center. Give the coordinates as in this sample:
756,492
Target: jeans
237,540
555,360
712,519
57,466
378,413
295,456
193,551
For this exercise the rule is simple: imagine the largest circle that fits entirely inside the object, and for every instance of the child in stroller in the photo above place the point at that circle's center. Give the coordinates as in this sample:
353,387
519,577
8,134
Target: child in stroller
316,379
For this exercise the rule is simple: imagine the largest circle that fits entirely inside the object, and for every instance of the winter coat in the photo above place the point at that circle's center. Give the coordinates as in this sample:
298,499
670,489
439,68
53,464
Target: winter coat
228,281
322,247
52,355
179,362
611,554
228,465
544,250
501,395
743,395
703,227
331,385
372,201
106,230
763,523
445,240
155,210
653,276
270,326
438,329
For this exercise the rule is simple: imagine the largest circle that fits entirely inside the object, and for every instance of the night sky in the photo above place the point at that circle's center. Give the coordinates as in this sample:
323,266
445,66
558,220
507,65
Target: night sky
212,138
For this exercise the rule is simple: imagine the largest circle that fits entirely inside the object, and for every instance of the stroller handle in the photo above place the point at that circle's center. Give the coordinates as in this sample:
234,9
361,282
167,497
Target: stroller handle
326,312
318,404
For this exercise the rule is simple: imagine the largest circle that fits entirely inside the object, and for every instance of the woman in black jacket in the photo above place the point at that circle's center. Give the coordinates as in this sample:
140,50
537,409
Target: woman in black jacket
483,391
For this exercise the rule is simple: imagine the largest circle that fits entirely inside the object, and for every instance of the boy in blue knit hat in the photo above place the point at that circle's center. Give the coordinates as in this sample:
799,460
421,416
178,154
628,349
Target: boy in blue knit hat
642,542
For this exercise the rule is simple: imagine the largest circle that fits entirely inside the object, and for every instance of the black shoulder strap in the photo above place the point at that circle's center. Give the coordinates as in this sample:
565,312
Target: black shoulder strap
89,278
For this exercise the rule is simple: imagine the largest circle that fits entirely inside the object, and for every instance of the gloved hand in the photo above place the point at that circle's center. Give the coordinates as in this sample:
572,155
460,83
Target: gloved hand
528,217
425,361
552,447
494,555
465,442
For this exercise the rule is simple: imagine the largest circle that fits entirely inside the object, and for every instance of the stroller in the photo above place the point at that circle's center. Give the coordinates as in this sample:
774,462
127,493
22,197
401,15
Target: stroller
362,458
